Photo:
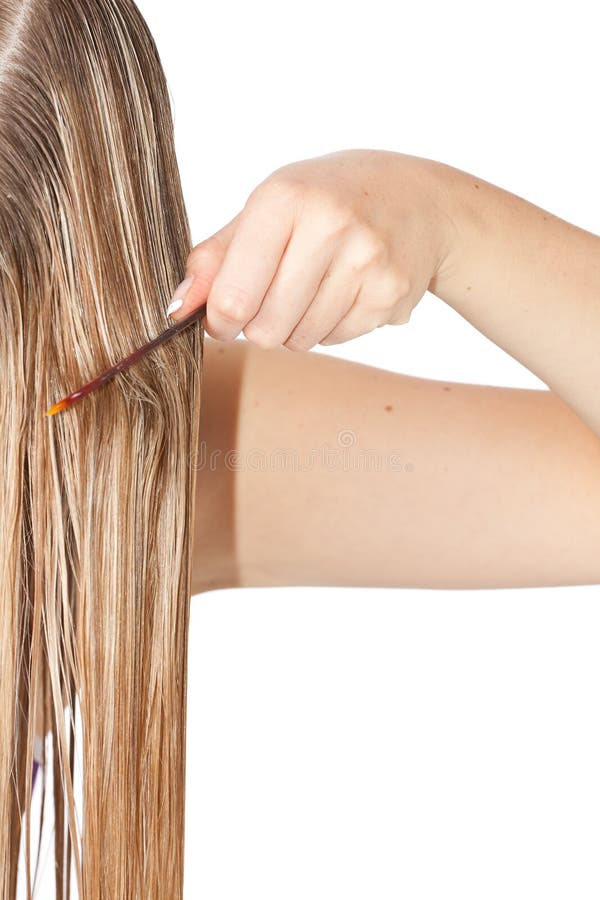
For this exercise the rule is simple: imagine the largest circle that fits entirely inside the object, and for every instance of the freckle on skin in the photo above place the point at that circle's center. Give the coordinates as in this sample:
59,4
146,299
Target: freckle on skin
476,185
388,408
221,351
447,387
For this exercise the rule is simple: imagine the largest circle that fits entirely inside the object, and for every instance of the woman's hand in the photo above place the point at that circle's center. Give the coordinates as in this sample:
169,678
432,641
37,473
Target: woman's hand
324,250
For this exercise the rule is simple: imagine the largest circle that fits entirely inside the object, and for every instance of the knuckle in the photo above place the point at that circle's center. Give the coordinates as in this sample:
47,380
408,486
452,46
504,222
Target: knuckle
394,286
368,247
376,245
260,336
337,216
233,303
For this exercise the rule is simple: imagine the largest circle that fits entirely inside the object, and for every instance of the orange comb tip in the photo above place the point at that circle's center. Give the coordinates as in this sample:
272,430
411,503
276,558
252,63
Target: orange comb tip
58,407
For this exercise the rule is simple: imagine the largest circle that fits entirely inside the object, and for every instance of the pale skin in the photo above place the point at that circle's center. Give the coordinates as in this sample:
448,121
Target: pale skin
477,487
502,487
502,490
370,231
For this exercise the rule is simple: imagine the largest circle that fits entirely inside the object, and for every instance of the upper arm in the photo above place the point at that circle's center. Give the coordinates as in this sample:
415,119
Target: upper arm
314,470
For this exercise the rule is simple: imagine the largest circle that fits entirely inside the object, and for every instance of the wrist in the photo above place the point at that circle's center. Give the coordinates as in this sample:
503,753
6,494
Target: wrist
456,221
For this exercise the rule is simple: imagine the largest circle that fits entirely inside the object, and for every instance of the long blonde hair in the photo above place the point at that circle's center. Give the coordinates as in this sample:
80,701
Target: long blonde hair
96,504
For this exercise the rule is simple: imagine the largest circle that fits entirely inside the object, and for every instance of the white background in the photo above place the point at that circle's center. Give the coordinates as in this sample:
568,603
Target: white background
392,744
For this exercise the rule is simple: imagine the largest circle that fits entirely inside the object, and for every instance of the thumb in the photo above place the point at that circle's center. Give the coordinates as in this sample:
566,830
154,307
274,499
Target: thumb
201,268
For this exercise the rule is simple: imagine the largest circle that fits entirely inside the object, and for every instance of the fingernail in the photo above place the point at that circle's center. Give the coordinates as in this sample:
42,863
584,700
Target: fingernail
179,295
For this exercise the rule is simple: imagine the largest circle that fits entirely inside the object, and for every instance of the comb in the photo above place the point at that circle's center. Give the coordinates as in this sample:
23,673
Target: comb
125,363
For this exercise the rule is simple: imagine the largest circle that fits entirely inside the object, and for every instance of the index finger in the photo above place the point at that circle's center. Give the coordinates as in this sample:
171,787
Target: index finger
249,266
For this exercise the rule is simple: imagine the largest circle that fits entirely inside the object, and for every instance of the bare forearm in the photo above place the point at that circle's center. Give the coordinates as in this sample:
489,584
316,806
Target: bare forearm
348,475
528,280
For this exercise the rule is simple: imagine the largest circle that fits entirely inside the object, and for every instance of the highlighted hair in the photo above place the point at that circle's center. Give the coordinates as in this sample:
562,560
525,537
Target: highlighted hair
97,503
